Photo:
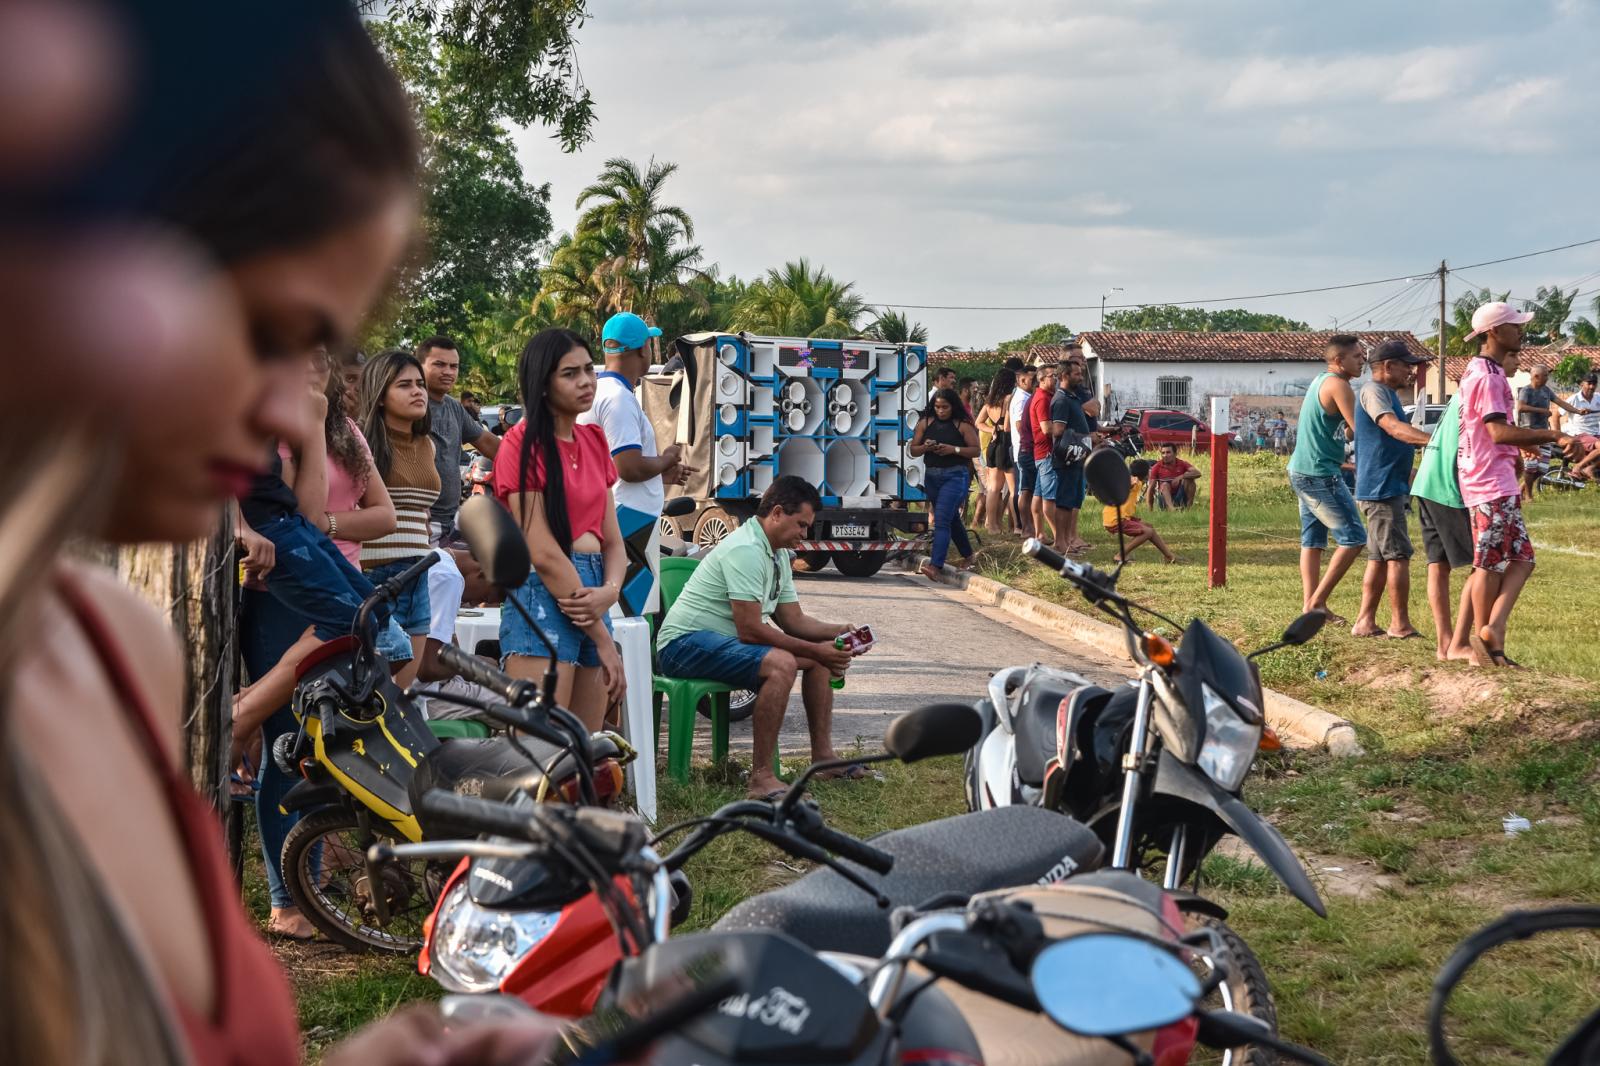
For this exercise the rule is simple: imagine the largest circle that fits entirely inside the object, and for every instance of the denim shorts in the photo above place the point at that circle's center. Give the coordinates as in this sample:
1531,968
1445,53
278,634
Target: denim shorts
1071,488
573,645
1045,487
1027,473
1326,506
411,608
710,655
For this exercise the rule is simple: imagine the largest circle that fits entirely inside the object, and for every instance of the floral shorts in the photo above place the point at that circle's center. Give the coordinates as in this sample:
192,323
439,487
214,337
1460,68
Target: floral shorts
1499,534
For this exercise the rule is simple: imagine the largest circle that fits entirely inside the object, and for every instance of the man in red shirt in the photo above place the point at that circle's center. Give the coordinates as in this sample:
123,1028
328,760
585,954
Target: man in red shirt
1172,481
1044,497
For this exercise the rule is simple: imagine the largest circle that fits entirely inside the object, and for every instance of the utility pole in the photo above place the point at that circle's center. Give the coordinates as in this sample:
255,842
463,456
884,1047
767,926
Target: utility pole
1444,272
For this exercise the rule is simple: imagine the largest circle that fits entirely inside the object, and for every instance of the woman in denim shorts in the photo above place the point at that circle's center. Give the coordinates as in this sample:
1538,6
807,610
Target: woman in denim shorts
555,476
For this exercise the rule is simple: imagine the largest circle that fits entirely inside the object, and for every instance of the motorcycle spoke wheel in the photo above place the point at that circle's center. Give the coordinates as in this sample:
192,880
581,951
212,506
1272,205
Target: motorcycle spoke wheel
325,870
1246,991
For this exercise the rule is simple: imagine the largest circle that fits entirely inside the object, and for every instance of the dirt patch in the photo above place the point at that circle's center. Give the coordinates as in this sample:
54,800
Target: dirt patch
308,963
1334,875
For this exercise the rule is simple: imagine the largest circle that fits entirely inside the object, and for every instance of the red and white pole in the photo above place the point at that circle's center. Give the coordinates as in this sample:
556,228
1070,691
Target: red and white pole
1217,544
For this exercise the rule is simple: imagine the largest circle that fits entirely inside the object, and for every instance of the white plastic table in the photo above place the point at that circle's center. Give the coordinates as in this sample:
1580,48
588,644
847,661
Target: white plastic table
474,624
638,725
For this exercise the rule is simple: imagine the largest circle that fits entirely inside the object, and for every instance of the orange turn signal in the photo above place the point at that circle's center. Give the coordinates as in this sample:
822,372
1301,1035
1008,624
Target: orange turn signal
1269,739
1158,649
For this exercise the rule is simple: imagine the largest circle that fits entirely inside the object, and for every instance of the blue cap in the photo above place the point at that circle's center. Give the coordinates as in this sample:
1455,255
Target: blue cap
624,332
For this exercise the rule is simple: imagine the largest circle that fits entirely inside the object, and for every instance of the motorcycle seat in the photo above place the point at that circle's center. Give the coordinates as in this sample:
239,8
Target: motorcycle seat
967,854
494,769
1035,725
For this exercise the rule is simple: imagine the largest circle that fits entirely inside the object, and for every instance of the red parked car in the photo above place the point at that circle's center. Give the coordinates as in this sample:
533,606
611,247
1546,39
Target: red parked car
1158,426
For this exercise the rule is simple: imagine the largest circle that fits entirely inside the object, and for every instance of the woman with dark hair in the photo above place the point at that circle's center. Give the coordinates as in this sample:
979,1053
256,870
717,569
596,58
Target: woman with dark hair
394,418
947,441
348,366
1000,465
555,477
122,939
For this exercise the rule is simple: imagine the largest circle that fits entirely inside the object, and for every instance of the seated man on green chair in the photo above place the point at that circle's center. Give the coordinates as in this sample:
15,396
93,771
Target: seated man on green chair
738,620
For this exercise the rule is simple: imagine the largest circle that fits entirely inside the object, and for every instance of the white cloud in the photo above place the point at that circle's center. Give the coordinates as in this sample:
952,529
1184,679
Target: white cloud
1420,75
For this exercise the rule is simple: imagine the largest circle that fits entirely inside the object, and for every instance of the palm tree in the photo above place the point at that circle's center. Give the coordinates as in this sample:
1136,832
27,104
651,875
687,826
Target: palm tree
894,327
1586,331
1551,308
797,301
626,200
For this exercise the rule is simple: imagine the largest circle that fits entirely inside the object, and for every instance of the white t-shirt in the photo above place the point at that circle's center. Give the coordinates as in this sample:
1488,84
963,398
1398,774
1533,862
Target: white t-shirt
1019,415
616,410
1589,421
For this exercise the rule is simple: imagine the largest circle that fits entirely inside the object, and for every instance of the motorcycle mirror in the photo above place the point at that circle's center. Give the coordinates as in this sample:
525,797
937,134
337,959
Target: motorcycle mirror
1108,476
1106,984
1305,627
495,540
938,729
678,506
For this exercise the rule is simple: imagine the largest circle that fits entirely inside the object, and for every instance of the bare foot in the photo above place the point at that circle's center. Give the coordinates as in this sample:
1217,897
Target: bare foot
766,785
1409,634
1459,655
289,922
1171,558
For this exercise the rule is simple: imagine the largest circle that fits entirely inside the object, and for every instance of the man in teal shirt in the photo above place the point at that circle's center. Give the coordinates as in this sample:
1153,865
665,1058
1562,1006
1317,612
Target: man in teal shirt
738,620
1326,505
1446,531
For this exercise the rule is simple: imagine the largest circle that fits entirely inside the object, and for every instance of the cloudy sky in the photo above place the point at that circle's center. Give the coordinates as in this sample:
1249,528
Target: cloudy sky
1040,153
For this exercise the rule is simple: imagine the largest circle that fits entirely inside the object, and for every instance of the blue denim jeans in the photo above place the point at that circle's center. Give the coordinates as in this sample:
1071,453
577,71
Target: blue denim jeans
946,488
1326,506
710,655
412,608
1027,474
573,645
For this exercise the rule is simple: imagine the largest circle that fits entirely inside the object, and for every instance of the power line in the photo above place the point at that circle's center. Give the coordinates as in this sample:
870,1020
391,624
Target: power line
1223,299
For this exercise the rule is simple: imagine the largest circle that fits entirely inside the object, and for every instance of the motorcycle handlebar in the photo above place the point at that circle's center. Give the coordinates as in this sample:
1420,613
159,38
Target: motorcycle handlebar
468,814
479,672
848,847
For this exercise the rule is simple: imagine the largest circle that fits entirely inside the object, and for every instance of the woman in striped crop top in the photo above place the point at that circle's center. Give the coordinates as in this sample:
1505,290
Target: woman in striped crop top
394,418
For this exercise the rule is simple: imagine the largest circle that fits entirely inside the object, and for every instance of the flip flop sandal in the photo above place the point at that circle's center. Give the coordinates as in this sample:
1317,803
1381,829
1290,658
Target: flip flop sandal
850,773
1413,635
279,934
1480,648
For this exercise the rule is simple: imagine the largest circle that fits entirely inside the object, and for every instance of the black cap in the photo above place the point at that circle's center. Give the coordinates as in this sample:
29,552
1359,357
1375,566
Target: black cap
1395,348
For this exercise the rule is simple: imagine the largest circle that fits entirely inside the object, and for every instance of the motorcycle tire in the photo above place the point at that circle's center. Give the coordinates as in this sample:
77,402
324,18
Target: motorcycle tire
339,904
1246,991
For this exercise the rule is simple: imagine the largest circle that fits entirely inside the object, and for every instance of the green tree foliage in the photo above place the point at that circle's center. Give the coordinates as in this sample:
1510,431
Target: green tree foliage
798,301
1049,333
511,60
1551,308
1166,318
896,328
1586,331
482,221
1571,369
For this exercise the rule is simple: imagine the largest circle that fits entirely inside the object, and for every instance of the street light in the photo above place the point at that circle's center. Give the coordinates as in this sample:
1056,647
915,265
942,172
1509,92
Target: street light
1114,288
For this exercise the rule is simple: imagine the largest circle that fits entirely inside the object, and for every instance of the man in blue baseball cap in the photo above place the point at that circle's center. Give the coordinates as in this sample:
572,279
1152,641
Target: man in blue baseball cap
642,472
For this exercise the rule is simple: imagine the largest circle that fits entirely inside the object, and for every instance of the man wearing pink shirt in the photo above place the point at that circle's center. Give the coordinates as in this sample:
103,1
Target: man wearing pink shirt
1486,466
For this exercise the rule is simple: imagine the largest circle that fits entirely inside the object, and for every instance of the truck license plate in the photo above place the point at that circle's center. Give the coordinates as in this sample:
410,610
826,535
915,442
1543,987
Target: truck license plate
858,532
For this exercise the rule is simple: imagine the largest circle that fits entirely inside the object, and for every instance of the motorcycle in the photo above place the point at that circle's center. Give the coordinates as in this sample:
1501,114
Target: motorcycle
777,1000
364,754
1581,1047
1154,768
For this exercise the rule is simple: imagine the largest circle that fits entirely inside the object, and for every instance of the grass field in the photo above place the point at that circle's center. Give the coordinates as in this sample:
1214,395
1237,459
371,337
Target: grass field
1406,841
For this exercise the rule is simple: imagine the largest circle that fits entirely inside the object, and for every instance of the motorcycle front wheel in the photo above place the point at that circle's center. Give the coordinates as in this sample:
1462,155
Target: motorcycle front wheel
325,871
1246,992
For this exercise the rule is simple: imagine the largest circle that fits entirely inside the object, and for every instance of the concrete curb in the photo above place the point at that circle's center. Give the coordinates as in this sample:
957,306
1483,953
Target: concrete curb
1298,723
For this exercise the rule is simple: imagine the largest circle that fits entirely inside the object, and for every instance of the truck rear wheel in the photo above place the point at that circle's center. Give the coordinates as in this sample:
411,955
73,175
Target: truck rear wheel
811,562
860,564
712,525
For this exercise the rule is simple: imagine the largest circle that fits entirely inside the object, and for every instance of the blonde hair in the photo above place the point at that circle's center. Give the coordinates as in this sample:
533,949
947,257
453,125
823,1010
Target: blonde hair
73,987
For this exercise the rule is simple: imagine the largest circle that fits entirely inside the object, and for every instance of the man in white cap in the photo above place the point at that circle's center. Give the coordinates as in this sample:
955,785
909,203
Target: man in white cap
642,473
1487,469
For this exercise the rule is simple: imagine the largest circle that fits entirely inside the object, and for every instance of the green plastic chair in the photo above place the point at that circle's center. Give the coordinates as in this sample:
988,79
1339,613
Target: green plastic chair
683,695
452,728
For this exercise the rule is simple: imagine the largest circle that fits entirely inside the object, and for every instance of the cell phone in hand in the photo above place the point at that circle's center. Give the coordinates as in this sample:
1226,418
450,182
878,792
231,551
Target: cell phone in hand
859,639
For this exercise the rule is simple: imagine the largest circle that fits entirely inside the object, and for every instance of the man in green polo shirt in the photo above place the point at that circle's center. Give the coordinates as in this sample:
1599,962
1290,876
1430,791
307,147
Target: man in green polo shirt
1446,531
738,620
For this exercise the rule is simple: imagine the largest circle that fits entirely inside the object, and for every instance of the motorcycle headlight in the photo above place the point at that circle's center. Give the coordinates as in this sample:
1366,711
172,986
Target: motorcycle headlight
474,948
1230,744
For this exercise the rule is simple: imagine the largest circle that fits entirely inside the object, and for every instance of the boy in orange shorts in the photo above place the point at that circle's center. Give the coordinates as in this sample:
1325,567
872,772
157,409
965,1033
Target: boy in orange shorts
1123,519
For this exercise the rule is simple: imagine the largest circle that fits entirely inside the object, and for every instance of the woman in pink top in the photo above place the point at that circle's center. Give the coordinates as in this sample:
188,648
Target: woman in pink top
338,488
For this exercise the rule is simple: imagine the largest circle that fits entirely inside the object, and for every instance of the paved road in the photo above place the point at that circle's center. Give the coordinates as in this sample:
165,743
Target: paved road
933,644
